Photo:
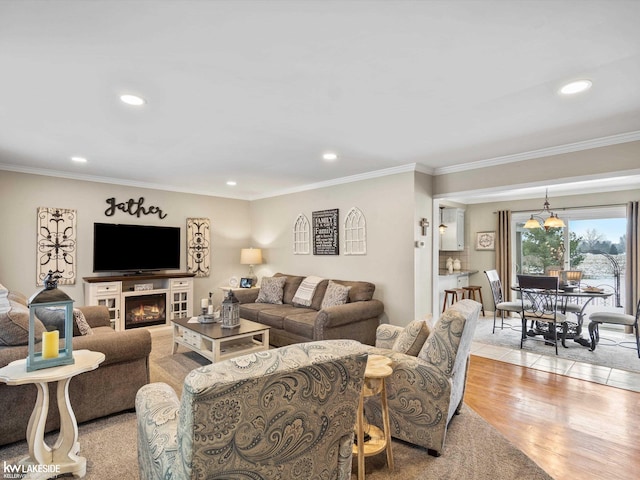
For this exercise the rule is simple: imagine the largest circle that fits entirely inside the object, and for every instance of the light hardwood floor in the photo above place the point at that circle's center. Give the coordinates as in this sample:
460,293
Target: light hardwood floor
572,428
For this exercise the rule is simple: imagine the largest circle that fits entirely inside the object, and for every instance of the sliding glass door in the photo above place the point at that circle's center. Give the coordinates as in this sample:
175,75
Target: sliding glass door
593,242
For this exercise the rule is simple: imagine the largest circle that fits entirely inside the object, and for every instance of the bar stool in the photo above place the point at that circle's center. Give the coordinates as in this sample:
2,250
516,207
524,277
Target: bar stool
471,293
456,294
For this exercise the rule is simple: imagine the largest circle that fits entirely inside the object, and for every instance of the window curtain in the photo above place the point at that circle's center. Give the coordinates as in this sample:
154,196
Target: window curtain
632,275
503,251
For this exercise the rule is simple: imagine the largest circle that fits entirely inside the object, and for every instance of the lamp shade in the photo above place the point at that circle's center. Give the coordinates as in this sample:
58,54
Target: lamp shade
251,256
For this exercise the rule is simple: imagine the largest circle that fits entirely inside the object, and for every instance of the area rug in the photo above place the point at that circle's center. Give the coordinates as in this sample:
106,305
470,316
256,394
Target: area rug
474,449
609,352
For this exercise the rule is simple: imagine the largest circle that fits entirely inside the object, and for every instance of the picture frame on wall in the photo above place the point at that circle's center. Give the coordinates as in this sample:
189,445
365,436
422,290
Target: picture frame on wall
486,241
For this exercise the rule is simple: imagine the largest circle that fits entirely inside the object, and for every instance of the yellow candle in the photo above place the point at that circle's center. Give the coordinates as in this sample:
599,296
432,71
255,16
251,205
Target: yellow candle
50,344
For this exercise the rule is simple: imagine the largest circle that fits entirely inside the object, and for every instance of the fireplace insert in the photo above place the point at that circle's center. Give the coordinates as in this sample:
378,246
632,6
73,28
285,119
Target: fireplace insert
145,310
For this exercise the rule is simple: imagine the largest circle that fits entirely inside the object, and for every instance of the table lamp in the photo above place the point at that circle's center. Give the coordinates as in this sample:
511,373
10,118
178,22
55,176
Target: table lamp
251,257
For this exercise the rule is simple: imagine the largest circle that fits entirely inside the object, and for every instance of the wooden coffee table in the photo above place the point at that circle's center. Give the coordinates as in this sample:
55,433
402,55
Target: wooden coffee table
216,343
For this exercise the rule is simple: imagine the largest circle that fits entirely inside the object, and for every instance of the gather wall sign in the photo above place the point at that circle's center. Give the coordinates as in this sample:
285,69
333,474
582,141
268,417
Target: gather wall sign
132,207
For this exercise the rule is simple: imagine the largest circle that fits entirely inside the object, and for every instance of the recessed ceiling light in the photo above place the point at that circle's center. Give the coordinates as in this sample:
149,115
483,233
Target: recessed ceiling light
330,156
132,100
231,183
576,87
79,159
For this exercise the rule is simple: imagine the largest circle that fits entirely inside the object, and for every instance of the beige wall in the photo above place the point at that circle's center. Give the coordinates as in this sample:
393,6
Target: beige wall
388,206
21,195
423,257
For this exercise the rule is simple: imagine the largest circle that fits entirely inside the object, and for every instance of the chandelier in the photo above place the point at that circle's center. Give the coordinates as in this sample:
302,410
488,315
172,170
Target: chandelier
552,221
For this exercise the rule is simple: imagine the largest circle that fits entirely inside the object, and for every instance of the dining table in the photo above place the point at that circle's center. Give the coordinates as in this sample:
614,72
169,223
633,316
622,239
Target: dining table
583,297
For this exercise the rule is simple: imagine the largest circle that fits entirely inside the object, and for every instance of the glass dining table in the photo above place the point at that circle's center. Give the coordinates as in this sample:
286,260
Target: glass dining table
583,298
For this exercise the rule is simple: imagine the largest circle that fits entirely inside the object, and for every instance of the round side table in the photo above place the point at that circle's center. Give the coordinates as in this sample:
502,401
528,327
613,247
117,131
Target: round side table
378,368
62,457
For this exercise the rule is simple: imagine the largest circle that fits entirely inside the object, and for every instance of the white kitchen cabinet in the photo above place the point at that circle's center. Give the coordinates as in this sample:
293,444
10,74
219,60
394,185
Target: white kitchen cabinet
453,237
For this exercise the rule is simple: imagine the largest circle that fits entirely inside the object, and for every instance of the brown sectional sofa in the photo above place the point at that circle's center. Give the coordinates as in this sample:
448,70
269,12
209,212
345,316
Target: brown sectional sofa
109,389
357,319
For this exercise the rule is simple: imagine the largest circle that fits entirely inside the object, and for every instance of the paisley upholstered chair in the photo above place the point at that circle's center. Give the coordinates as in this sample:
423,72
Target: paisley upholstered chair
428,382
285,413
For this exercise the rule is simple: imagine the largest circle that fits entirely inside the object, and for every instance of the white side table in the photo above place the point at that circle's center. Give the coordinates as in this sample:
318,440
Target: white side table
64,452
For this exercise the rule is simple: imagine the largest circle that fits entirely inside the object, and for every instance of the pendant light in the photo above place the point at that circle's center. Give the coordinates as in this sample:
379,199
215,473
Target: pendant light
442,227
551,222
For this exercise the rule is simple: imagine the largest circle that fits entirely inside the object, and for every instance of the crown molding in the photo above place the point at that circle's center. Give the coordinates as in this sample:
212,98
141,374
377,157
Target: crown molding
113,181
544,152
411,167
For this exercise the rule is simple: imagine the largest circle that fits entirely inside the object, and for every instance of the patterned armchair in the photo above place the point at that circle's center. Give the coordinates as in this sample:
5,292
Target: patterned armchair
285,413
425,391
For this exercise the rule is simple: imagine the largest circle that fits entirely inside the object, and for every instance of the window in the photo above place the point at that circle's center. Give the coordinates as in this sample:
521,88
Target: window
355,233
301,235
593,241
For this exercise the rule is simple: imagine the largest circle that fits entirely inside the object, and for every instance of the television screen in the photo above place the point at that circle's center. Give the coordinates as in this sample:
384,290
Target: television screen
126,248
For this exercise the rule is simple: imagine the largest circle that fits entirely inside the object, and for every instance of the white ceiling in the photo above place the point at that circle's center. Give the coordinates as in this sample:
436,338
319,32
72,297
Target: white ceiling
256,91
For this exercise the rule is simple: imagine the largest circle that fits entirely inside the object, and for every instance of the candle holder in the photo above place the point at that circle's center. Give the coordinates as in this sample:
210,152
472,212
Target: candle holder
48,353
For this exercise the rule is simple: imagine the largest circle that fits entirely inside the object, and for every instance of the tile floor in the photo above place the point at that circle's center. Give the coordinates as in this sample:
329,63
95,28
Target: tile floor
584,371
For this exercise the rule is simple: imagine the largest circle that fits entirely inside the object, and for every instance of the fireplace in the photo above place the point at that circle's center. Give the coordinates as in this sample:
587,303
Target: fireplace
145,310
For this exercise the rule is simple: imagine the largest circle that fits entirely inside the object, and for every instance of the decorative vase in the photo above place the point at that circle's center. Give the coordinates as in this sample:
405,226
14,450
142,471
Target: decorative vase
449,263
456,264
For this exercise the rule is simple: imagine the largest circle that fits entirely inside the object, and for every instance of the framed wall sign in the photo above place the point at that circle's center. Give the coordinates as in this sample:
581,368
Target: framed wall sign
486,241
325,232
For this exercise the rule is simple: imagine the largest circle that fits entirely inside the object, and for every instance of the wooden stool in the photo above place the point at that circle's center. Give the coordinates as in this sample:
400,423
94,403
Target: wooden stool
456,294
471,293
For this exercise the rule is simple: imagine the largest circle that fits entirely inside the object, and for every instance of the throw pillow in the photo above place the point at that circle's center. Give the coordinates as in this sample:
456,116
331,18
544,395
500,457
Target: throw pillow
81,322
271,290
336,294
14,325
412,338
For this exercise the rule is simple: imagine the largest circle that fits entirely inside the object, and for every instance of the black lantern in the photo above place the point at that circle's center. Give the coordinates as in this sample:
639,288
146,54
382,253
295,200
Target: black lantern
230,311
49,353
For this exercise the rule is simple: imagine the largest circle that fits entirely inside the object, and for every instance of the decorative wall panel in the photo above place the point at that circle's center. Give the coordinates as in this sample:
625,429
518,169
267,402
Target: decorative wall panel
198,246
56,244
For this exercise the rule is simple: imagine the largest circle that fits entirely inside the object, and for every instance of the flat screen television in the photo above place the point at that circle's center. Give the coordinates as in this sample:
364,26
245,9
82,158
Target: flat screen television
135,248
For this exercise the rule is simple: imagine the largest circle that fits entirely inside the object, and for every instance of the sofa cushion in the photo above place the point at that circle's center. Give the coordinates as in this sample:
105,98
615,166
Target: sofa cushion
250,311
336,294
290,286
14,324
412,338
360,291
301,323
274,317
271,290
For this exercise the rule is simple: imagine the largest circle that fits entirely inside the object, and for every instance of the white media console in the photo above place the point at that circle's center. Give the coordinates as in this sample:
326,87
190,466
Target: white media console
145,300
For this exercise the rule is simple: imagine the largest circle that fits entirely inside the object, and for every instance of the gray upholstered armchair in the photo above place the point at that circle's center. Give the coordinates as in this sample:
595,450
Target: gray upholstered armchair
425,391
284,413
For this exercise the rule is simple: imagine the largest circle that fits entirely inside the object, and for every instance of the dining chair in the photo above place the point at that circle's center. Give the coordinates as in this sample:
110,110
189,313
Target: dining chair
539,297
615,318
498,299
